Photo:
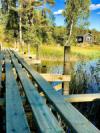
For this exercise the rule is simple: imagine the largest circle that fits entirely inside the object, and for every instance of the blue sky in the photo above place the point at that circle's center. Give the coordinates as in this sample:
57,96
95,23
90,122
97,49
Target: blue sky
94,18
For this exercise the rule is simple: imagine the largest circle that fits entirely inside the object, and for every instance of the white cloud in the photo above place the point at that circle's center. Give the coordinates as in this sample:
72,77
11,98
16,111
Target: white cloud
59,12
98,13
94,6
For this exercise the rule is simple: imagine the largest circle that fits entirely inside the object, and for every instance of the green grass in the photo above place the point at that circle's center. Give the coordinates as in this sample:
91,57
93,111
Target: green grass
55,53
51,52
87,52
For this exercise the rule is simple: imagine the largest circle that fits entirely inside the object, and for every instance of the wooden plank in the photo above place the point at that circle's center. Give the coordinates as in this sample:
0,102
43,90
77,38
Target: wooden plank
15,115
45,121
33,61
2,101
57,87
56,77
82,97
1,58
72,117
74,98
66,67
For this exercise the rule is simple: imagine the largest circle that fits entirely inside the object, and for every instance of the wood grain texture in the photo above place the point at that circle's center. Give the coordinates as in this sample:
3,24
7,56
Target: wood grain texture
44,119
72,117
16,121
56,77
82,97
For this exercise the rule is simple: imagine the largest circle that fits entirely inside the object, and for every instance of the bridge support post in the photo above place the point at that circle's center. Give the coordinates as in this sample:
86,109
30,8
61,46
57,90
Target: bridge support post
0,46
44,69
66,69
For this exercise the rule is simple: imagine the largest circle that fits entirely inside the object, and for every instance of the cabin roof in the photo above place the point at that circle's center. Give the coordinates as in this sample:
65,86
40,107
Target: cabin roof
87,34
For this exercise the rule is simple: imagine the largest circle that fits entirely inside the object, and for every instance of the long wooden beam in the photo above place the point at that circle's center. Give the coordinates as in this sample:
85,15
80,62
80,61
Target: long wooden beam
71,98
71,116
2,101
1,60
56,77
16,120
82,97
45,120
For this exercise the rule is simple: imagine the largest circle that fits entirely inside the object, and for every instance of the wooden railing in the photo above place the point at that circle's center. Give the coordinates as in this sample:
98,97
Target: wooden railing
22,81
72,117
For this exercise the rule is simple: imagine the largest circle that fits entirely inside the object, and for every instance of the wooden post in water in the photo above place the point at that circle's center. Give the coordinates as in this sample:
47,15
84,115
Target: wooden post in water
29,54
44,69
37,52
0,46
66,69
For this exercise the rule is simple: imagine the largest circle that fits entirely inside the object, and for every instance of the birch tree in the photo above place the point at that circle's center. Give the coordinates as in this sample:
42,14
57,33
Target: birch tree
76,13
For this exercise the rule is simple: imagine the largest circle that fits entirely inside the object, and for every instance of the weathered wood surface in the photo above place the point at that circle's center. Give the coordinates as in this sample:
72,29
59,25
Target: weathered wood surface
56,77
31,59
66,68
15,116
75,98
1,59
58,87
82,97
72,117
2,101
44,119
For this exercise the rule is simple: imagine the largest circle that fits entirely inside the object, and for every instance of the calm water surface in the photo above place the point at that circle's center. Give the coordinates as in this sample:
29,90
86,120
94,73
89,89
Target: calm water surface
86,74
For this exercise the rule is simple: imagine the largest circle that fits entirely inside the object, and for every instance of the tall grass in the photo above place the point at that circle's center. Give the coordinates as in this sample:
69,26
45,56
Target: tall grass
51,52
87,52
56,53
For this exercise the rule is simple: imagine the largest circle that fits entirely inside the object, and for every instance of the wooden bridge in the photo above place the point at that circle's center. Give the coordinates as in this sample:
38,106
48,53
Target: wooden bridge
25,110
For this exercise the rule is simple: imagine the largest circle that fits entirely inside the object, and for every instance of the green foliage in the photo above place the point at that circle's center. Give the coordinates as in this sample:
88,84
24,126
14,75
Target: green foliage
56,53
77,10
27,22
76,13
96,35
59,35
3,21
37,24
31,37
38,30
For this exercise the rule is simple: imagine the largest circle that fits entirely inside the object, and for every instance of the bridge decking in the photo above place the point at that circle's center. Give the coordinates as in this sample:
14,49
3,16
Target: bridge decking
22,80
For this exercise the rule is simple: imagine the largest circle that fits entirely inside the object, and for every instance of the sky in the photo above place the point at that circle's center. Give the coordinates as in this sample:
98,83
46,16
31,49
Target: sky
94,18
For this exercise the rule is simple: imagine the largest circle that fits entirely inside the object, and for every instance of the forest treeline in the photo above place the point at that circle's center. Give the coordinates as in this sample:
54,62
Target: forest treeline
32,22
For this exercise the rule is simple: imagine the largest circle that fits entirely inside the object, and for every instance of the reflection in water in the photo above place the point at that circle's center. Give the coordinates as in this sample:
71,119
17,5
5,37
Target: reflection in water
85,79
85,76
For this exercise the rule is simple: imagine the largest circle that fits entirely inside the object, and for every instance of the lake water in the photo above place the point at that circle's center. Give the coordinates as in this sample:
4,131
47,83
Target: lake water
85,78
85,75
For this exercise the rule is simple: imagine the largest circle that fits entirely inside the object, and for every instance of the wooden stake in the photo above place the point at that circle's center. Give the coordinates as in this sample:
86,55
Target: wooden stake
66,70
44,69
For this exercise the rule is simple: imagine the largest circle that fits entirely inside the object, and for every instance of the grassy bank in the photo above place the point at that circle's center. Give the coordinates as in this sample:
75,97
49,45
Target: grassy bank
56,53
